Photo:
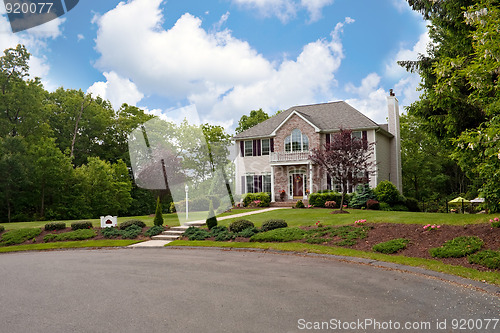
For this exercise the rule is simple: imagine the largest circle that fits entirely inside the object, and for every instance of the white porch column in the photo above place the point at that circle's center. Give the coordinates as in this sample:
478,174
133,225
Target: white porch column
310,179
272,185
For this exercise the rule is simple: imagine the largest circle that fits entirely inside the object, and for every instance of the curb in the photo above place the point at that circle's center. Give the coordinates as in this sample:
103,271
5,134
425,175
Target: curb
464,282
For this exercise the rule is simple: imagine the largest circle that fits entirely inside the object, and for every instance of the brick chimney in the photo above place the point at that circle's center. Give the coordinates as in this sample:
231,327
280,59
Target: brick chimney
394,129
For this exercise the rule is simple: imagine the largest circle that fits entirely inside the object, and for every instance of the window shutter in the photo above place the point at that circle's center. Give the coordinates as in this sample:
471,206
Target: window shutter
365,139
259,150
260,184
327,138
242,147
243,185
271,143
255,184
254,148
328,181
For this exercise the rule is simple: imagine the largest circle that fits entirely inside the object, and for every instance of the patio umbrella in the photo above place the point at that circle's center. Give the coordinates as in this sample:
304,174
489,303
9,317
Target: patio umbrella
459,200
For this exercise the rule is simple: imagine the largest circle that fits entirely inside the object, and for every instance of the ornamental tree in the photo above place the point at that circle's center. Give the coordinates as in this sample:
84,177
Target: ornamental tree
346,159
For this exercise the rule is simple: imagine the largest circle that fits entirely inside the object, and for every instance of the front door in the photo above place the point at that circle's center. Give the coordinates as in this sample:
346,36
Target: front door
298,185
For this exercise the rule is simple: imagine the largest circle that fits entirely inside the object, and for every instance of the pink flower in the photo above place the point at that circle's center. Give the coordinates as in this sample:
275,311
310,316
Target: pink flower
496,219
438,226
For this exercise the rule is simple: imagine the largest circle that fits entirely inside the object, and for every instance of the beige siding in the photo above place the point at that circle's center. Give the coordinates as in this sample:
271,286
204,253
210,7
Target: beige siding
383,156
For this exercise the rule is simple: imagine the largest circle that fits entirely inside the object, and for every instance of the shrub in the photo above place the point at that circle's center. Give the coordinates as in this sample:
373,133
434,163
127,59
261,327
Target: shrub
457,247
224,236
79,234
131,232
263,197
387,192
240,225
330,204
153,231
412,204
158,214
248,232
273,224
111,232
362,194
320,199
399,208
372,204
126,224
81,225
487,258
172,208
2,228
55,226
392,246
198,234
495,223
279,235
299,204
212,220
384,206
19,236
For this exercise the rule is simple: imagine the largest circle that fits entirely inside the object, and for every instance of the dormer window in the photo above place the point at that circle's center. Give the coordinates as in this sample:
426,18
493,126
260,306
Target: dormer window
296,142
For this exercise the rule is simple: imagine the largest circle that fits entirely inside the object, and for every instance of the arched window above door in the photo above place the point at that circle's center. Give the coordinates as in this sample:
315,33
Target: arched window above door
296,141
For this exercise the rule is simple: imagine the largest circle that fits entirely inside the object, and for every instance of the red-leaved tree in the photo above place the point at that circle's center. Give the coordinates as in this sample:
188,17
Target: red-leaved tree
346,159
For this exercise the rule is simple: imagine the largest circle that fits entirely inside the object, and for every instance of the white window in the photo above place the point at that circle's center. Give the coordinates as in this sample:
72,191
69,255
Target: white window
250,184
266,146
248,148
296,142
357,134
266,183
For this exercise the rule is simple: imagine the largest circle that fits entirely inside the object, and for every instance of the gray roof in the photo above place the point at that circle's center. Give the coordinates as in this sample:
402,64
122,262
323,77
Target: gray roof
328,117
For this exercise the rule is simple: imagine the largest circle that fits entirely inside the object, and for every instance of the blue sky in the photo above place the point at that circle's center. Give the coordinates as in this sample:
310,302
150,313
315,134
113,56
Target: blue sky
228,57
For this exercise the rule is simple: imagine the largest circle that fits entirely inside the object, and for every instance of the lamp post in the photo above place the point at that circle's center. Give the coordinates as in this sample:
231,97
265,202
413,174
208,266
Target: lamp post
186,188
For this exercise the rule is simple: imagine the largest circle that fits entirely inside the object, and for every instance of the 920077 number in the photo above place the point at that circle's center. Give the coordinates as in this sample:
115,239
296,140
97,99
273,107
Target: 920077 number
28,8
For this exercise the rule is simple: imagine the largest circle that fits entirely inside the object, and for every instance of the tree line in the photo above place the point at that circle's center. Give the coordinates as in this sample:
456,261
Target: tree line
64,154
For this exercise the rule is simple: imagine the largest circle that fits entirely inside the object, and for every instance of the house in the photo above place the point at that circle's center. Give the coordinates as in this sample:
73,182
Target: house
273,156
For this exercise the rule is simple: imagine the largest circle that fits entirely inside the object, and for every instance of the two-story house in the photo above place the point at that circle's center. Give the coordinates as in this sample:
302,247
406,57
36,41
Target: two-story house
273,156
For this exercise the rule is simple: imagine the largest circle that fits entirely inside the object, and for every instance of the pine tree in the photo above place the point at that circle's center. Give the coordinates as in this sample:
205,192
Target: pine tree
158,214
212,220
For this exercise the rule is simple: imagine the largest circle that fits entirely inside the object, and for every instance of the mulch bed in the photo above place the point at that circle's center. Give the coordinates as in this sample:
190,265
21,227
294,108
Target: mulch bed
39,238
420,240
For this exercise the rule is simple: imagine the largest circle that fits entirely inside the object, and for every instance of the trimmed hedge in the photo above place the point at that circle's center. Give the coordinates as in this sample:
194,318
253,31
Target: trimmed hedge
319,199
279,235
240,225
193,233
263,197
126,224
55,226
372,204
81,225
273,224
392,246
457,247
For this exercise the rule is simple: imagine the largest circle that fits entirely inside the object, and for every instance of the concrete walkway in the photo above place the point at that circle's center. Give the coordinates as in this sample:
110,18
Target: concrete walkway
163,242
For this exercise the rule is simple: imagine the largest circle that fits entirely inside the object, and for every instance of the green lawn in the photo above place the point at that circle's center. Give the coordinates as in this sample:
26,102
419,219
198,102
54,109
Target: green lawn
69,245
305,217
169,219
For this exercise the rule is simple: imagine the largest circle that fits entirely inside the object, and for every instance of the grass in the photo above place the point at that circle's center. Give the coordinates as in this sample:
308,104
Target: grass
67,245
307,217
469,273
169,219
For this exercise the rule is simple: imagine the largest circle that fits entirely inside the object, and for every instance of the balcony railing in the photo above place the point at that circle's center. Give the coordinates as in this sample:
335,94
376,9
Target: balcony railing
289,157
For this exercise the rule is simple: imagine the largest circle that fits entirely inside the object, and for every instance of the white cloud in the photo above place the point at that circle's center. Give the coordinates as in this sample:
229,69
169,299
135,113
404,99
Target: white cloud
285,10
370,98
117,90
394,70
80,37
35,41
224,76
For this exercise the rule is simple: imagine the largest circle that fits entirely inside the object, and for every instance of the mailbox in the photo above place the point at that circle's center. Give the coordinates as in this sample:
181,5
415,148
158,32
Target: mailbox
109,221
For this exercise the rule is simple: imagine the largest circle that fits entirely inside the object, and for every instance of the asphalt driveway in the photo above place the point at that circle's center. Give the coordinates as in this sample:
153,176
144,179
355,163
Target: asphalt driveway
211,290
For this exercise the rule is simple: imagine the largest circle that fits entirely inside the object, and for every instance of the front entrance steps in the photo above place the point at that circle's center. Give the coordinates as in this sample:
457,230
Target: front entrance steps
175,233
288,203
